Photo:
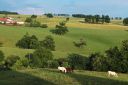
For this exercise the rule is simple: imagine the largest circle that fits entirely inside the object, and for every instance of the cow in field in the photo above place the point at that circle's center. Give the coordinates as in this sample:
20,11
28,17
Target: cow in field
65,70
112,73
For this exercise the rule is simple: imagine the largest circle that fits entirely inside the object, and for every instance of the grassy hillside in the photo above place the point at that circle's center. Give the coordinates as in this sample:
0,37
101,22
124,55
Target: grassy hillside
54,77
98,40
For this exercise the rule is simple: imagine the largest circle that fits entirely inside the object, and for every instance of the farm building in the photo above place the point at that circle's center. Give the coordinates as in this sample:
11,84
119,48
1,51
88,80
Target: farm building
10,20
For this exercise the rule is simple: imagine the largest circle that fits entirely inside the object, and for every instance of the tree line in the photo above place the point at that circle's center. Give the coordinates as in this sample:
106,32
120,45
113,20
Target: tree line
8,12
94,18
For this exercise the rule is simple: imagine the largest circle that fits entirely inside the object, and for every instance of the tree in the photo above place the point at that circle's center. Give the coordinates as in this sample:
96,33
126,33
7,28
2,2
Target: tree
1,56
80,44
49,15
35,23
11,60
48,43
28,20
41,56
77,61
67,19
125,21
61,29
34,16
28,42
107,19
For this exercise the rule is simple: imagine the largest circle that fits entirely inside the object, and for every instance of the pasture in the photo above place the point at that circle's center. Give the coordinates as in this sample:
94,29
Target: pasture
99,37
54,77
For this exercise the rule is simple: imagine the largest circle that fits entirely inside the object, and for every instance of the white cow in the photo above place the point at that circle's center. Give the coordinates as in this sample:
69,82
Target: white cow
112,73
62,69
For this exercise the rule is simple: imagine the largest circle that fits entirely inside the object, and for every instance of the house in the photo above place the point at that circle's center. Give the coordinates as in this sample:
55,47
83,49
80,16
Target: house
10,21
7,21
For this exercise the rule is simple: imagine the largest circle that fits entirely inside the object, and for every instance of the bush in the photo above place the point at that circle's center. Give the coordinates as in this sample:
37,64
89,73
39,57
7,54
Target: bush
34,16
28,42
44,26
35,23
125,21
41,56
97,62
61,29
28,20
77,61
1,56
49,15
53,64
11,60
80,44
48,43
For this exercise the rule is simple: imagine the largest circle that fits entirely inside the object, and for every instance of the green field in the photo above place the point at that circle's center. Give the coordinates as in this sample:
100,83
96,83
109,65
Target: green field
54,77
98,37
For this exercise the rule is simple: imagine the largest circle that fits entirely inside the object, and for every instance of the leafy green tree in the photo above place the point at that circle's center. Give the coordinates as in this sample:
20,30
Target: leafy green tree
107,19
77,61
61,29
34,16
41,56
28,20
11,60
48,43
125,21
28,42
49,15
1,56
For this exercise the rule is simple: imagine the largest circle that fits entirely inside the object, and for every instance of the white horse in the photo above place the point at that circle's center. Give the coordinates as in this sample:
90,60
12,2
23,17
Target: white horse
112,73
62,69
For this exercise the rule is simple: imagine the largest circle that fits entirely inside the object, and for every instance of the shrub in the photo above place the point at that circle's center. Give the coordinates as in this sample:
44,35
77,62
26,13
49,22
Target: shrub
41,56
49,15
28,42
44,26
1,56
80,44
34,16
125,21
35,23
77,61
48,43
53,64
28,20
61,29
11,60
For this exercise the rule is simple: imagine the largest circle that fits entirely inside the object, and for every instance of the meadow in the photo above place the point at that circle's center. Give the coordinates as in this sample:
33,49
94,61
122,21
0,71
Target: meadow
99,37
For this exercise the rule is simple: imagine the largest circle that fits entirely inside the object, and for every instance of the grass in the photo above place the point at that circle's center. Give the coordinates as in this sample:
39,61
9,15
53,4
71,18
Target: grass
54,77
98,40
99,37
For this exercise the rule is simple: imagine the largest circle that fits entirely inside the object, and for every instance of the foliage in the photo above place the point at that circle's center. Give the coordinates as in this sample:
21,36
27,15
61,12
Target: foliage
1,56
28,20
41,56
125,21
48,43
44,26
53,64
34,16
77,61
49,15
35,23
61,29
28,42
11,60
80,44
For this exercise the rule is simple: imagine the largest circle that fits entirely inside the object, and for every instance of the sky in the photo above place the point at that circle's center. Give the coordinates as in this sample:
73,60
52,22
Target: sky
114,8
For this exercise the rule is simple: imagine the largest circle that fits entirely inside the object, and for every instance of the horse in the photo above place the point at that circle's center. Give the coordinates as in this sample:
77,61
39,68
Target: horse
112,73
62,69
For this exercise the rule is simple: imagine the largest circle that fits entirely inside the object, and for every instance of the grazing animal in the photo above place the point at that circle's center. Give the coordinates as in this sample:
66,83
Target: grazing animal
62,69
69,69
111,73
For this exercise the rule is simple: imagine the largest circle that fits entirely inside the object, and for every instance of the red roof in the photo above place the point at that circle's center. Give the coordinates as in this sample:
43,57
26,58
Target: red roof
3,19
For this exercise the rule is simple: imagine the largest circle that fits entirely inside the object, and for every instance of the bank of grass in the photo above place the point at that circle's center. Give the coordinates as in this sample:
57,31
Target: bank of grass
54,77
98,40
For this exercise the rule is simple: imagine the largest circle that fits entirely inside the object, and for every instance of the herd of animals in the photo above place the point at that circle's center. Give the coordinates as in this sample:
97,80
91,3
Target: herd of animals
70,70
